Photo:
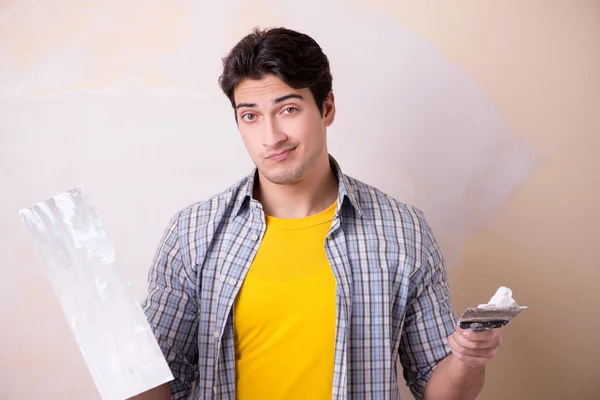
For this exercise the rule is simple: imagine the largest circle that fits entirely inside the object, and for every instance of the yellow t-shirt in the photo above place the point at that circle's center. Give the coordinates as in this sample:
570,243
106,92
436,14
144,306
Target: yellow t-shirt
284,315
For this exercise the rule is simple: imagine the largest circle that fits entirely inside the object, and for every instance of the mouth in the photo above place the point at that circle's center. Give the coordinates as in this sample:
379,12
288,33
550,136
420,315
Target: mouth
282,155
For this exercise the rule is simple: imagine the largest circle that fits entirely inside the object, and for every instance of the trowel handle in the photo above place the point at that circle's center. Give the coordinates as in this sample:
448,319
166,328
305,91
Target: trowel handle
478,327
482,325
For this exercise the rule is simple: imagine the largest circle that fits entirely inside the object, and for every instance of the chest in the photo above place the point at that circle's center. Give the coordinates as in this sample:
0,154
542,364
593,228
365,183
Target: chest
371,267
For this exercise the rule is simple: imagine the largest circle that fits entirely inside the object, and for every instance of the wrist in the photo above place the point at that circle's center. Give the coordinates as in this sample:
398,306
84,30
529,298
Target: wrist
460,368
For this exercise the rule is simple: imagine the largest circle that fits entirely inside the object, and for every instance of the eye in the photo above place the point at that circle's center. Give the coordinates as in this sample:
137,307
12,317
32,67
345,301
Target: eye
290,110
249,117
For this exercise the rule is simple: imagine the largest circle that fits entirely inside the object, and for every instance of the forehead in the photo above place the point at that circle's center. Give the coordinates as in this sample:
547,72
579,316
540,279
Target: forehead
263,91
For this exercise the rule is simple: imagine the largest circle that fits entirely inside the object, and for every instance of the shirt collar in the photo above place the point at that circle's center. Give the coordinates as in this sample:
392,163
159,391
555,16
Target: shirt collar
347,190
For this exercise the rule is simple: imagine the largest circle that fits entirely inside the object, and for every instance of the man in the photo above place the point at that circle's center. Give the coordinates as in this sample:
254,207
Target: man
299,282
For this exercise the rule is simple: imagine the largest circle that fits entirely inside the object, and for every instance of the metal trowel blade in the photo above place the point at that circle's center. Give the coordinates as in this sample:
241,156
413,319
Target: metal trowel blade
479,319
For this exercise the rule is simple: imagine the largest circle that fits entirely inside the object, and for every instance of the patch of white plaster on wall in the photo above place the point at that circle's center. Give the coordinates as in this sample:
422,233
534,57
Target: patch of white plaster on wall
412,123
409,121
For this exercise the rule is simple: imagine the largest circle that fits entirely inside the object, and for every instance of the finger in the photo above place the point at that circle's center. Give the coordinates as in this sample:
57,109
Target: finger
477,336
476,345
457,348
482,336
487,353
461,330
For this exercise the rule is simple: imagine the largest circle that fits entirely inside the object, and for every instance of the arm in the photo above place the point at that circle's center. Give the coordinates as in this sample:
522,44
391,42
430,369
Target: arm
461,375
171,311
429,316
440,360
452,379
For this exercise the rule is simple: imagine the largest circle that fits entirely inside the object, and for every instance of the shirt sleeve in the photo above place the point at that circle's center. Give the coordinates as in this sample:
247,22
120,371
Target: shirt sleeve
430,318
171,310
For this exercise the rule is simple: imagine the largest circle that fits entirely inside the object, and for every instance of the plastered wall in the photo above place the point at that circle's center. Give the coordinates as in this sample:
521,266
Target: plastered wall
484,114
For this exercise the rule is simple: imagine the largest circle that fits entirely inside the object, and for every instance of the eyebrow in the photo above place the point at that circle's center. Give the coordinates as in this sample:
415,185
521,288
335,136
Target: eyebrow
275,101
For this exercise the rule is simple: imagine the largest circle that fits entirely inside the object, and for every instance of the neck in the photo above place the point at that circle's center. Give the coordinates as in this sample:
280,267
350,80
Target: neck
312,194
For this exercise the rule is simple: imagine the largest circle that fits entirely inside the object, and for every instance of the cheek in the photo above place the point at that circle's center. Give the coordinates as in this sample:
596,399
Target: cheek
251,141
307,131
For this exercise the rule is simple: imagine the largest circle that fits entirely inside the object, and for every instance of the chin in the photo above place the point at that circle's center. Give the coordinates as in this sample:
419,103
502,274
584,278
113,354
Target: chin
285,177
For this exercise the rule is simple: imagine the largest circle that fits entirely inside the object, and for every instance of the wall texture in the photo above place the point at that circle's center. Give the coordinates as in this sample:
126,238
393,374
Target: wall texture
484,114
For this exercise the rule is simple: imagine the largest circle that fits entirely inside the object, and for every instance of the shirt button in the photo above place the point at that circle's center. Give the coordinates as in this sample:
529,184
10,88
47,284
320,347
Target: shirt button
216,334
215,389
232,282
253,205
254,237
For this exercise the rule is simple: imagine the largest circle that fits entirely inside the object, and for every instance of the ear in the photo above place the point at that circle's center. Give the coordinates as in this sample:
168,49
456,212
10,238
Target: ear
329,109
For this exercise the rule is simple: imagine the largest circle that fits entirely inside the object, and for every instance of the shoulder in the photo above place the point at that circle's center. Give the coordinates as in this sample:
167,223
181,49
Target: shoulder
192,229
383,208
400,223
211,209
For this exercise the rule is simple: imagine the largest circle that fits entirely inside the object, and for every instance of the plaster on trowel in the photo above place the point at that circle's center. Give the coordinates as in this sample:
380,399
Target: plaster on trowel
500,310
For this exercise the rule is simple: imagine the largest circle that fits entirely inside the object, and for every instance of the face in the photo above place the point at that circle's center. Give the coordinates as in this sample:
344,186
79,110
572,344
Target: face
282,128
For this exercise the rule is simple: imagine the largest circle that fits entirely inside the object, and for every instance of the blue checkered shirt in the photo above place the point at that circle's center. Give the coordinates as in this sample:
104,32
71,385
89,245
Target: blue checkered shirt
393,300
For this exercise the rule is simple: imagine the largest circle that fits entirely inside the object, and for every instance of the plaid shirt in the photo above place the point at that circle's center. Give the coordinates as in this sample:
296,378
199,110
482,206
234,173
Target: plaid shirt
392,294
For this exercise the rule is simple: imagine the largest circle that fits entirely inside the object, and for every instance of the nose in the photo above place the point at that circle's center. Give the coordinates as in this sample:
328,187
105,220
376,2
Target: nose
273,134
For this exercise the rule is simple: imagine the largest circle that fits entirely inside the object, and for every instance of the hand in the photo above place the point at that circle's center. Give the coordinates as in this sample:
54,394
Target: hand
475,348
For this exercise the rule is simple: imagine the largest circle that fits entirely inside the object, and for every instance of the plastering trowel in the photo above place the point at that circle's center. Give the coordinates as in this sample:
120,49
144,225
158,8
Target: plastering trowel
501,309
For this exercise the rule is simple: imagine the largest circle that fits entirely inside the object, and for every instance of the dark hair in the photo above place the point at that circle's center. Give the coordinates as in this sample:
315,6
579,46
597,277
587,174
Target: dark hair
293,57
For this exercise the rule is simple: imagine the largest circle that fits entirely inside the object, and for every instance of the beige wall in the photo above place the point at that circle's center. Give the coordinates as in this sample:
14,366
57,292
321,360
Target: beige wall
539,61
122,98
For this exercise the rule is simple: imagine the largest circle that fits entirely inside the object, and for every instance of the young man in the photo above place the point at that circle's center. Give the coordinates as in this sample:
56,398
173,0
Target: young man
299,282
